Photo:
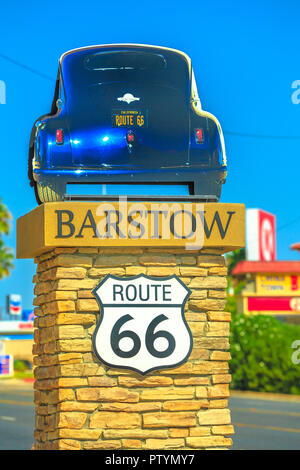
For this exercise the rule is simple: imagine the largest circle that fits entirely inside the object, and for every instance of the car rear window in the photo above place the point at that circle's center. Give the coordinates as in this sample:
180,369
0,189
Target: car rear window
84,69
125,60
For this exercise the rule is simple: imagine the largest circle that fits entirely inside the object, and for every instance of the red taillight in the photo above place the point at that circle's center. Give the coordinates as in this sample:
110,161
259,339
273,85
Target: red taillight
130,137
59,136
199,135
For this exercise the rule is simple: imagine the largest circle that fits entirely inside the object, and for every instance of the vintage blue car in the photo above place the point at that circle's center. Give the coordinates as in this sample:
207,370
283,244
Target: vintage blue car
126,114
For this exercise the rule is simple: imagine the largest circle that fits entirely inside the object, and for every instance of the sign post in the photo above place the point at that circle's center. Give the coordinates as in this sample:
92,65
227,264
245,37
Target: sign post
14,304
2,348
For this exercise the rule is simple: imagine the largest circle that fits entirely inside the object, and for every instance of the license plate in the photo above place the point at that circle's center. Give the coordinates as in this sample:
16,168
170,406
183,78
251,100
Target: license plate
129,118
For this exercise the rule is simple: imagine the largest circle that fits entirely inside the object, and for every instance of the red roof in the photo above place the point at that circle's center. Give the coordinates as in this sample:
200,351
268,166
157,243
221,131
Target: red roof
244,267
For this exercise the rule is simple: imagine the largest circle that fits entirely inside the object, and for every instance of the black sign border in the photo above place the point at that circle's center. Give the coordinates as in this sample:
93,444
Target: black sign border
152,278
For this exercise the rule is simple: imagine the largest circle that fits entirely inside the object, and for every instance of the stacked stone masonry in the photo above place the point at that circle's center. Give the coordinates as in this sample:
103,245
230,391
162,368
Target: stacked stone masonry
82,404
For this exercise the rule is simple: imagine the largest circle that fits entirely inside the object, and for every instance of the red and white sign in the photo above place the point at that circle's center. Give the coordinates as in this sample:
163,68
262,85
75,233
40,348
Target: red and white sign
267,236
261,235
6,365
273,304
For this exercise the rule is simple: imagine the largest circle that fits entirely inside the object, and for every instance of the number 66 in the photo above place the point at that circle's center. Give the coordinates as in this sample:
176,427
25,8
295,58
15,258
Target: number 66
150,338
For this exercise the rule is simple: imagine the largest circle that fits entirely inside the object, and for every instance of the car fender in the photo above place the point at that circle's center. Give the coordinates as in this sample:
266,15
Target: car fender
212,121
31,151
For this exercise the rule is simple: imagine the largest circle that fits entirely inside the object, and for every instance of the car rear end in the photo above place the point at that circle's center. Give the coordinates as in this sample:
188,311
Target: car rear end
128,118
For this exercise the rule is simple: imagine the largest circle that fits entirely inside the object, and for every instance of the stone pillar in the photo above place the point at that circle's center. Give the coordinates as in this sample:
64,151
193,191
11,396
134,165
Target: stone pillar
82,404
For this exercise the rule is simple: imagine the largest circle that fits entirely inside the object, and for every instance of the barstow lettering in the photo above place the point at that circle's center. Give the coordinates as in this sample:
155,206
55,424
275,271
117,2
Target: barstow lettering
66,227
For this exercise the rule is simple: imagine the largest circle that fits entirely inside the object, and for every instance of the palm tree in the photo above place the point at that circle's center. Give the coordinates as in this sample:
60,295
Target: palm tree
234,286
6,256
233,258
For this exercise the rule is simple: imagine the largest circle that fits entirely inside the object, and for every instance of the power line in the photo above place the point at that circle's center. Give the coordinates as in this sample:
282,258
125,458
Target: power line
263,136
235,134
288,224
30,69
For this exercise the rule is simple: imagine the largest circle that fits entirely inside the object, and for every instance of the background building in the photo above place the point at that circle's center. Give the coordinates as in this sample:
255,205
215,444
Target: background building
268,286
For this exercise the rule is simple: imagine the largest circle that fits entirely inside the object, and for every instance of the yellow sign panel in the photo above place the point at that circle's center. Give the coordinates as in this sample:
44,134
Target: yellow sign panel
190,225
273,284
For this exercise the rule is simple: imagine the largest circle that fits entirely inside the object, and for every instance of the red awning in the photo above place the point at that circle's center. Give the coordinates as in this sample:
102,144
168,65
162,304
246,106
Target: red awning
245,267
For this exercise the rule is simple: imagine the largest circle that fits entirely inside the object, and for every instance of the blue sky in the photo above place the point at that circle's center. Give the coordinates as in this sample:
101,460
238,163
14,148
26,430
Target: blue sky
245,57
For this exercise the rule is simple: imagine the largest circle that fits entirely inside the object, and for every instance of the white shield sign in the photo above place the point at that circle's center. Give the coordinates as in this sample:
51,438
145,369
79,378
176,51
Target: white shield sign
142,325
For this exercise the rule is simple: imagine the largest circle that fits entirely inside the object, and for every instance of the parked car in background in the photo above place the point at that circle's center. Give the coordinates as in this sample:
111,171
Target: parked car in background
126,114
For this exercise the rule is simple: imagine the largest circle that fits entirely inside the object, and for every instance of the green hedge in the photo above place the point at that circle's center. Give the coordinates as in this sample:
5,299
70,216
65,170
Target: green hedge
19,365
261,349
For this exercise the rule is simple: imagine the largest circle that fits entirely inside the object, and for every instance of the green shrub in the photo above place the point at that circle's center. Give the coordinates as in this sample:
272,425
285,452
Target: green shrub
19,365
261,349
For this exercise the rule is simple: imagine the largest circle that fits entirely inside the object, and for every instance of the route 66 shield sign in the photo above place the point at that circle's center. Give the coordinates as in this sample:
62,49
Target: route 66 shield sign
142,325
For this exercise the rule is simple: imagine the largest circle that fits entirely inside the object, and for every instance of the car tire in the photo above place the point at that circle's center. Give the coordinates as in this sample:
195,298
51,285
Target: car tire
48,193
